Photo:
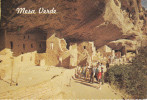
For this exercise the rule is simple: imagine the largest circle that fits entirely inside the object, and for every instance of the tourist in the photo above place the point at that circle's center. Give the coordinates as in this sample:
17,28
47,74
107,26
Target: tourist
87,73
76,73
91,75
84,72
107,65
94,70
97,71
99,76
102,72
80,71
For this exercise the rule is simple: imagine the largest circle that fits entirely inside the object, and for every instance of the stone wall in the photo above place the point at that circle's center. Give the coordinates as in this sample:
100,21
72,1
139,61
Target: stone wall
2,41
118,54
65,62
24,43
6,62
85,53
27,59
98,57
56,52
105,48
74,54
11,64
53,50
40,59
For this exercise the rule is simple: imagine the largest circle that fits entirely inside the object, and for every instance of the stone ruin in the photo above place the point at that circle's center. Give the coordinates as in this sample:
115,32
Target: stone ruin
49,50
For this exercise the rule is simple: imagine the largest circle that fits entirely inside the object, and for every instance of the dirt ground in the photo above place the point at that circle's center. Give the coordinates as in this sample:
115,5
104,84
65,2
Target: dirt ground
84,90
56,83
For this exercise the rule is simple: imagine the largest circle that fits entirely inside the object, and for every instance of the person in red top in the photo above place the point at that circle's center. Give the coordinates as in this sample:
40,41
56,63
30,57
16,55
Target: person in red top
99,76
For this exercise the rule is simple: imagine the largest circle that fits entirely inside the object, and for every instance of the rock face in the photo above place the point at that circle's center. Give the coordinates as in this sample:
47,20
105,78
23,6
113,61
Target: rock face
100,21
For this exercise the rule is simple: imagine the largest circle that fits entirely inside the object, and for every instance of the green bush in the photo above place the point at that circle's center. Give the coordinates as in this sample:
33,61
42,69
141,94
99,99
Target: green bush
132,78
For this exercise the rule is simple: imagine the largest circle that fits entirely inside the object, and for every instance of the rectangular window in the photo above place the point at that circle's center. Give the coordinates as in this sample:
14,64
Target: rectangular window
23,46
11,44
40,45
44,37
52,46
31,45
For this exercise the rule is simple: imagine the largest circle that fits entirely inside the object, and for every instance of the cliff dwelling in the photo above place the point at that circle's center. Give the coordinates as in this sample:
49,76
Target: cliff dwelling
45,50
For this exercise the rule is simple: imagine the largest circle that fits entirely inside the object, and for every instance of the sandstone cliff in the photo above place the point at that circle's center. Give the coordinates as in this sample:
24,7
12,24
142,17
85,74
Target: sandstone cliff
101,21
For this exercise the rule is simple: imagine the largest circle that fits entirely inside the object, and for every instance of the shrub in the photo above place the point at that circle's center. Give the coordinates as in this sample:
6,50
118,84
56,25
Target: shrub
132,78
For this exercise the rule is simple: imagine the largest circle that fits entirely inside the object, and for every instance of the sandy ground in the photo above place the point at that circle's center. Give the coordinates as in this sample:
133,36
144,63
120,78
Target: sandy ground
84,90
57,83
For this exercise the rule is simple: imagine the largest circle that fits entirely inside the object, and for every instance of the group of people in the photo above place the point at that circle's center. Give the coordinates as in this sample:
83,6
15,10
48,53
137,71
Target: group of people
89,73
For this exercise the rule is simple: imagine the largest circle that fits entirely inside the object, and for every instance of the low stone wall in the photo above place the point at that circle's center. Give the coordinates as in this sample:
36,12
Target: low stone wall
10,66
6,62
40,59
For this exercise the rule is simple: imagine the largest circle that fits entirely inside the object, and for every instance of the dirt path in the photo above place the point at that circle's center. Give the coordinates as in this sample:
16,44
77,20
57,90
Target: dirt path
84,90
